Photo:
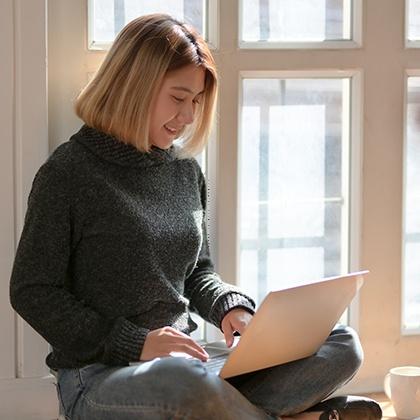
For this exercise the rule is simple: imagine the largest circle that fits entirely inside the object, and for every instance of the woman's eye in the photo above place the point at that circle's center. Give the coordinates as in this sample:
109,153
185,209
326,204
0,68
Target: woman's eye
196,101
178,99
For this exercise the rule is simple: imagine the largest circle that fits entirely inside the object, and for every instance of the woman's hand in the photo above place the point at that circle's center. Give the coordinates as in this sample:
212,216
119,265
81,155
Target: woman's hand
163,341
235,320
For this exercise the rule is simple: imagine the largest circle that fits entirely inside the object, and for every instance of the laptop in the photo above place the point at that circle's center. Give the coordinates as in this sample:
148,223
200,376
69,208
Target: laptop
290,324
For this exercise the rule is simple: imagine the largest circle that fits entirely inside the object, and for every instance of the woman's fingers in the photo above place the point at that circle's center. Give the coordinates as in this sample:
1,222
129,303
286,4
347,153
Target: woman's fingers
185,347
190,345
182,337
164,341
235,320
228,333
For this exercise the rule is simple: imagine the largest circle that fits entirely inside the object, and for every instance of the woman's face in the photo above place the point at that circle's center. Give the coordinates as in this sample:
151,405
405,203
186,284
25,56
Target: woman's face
175,103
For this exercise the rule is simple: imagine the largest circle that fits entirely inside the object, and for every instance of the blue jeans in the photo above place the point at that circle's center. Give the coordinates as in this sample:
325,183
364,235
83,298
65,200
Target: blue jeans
177,388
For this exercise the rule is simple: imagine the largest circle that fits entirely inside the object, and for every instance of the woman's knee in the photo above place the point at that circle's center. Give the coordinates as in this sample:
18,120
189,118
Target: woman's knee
173,372
349,348
186,381
175,386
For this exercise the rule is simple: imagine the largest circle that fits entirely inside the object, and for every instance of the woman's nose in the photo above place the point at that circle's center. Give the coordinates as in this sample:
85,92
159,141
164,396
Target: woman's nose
186,114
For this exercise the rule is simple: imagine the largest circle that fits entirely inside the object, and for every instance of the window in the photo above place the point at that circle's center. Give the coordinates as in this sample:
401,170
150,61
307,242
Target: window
411,230
412,23
300,23
298,137
294,181
108,17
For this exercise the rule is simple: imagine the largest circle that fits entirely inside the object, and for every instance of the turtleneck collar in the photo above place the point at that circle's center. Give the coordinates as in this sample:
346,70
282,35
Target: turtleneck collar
111,149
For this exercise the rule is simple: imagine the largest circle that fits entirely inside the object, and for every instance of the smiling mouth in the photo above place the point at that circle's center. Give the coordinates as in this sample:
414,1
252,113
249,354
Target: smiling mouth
170,129
173,131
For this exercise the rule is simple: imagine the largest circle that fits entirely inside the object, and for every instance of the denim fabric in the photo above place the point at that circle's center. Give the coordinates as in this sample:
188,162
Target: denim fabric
176,388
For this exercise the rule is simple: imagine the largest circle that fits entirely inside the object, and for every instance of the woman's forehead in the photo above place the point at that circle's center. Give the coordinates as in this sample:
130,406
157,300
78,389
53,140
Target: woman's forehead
189,79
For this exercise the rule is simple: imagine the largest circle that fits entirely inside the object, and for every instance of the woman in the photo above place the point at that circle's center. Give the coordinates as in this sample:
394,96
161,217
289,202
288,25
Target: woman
113,254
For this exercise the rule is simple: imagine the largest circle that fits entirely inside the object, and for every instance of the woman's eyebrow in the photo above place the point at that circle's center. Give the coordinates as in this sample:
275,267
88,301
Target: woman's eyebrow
185,89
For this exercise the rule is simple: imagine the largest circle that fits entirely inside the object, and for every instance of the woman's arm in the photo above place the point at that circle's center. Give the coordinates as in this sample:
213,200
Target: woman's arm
40,287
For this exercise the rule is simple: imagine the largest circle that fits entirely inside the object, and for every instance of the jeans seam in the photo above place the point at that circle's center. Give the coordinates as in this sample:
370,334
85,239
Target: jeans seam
60,401
168,410
80,379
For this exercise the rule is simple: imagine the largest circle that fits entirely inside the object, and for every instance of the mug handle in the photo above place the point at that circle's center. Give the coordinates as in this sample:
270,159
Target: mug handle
387,385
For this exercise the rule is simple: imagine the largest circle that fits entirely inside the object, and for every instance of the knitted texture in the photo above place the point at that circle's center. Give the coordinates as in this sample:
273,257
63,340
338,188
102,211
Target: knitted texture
115,245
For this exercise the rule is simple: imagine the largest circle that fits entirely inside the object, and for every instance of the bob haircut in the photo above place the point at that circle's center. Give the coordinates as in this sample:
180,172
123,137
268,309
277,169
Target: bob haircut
118,100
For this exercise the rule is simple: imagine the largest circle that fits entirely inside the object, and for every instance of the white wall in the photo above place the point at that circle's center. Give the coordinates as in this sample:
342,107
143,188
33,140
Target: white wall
7,213
26,390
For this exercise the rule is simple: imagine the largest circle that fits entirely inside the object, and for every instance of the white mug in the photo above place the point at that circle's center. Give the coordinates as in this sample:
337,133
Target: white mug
402,386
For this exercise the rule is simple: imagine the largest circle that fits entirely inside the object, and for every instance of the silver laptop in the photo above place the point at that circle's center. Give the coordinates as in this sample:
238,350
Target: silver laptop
289,324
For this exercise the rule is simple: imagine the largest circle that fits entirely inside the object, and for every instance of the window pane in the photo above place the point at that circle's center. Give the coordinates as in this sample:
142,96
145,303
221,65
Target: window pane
411,315
249,272
413,19
293,192
296,20
108,17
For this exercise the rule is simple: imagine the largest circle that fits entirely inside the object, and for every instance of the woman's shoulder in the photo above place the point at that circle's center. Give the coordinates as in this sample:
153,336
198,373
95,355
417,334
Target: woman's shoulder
63,166
191,162
69,152
67,157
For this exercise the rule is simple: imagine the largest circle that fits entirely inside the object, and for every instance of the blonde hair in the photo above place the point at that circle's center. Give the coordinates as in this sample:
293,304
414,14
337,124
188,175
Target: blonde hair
117,101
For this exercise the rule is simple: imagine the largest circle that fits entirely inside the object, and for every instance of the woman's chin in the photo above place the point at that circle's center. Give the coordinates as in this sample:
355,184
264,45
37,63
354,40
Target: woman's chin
163,144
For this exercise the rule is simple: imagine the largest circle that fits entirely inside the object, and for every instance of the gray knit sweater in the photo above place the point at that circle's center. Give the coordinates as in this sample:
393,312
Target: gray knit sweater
114,245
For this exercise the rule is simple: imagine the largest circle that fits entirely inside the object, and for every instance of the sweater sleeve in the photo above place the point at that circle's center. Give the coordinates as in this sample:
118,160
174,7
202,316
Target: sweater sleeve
208,294
40,286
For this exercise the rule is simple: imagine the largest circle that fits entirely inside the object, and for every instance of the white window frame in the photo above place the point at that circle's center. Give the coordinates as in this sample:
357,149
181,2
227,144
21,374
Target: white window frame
409,43
351,164
211,25
355,42
404,330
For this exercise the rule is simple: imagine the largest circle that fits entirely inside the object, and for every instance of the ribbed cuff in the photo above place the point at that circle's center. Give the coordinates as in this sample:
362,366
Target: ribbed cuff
125,343
226,303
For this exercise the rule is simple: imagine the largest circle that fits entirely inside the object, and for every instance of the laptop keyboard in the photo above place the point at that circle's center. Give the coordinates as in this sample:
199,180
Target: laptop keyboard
215,364
218,353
